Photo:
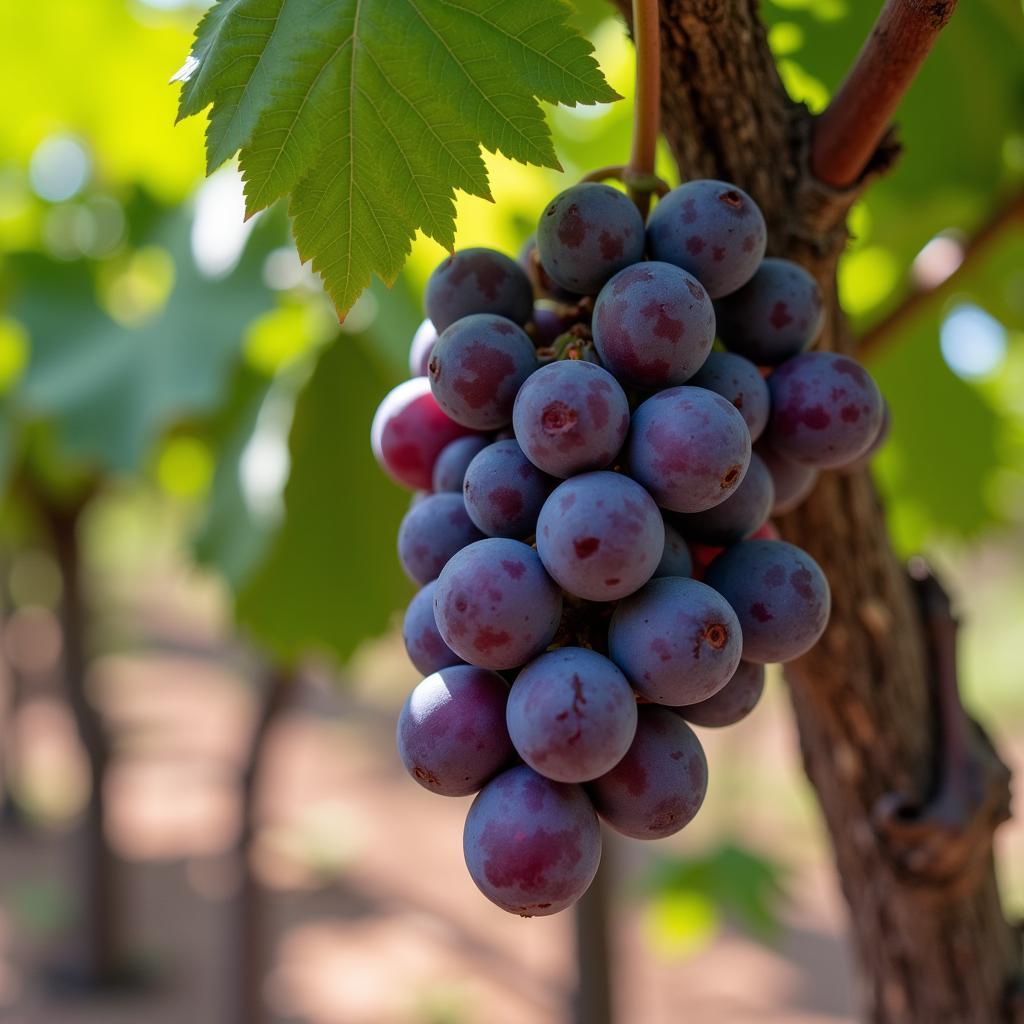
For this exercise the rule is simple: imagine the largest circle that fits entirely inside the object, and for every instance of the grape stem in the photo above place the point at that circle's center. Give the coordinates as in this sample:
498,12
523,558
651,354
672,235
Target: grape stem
639,174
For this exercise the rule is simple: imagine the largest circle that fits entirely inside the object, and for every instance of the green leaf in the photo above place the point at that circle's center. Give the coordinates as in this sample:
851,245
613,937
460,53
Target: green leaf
371,113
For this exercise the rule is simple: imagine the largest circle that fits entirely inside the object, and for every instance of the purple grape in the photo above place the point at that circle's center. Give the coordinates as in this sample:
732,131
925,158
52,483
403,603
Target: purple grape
452,463
779,594
409,430
431,532
689,447
826,409
476,368
571,715
711,229
588,233
733,702
451,732
654,325
571,416
744,512
423,641
658,787
423,342
551,320
600,536
774,316
495,605
738,381
543,286
863,461
676,559
791,481
677,640
504,491
478,281
531,845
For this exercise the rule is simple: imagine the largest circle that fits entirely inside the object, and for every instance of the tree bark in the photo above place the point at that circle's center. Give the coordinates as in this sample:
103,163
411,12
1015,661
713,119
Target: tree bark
909,789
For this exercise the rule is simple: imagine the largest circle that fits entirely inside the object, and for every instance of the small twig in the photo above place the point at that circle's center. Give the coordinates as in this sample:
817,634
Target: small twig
849,130
646,104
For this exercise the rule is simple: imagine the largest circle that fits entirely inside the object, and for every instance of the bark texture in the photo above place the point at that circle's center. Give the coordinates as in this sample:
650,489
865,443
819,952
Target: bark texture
910,789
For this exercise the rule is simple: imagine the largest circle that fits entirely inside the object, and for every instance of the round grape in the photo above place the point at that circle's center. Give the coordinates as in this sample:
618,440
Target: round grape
452,463
478,281
571,416
738,381
431,532
532,846
676,559
791,481
744,512
732,703
423,641
863,461
504,491
423,342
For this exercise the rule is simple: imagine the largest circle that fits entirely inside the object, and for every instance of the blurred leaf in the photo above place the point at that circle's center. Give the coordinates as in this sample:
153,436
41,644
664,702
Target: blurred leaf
681,923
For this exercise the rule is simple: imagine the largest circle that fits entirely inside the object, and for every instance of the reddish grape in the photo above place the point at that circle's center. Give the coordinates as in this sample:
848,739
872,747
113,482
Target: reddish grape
732,703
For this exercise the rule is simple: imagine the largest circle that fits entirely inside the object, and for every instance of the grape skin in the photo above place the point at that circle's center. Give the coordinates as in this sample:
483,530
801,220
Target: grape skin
423,641
792,482
431,532
677,640
600,536
532,846
676,559
422,345
450,468
711,229
478,281
495,605
732,703
571,715
744,512
779,594
571,416
738,381
689,447
658,787
451,731
504,491
654,325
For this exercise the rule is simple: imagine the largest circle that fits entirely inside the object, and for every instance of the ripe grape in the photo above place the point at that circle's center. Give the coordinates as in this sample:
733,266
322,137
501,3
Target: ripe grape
826,409
733,702
571,715
738,381
689,447
452,463
495,605
431,532
478,281
423,641
551,320
451,731
422,345
779,594
477,367
659,785
531,845
654,325
571,416
676,559
677,640
600,536
791,481
744,512
711,229
862,461
504,491
409,430
774,316
587,234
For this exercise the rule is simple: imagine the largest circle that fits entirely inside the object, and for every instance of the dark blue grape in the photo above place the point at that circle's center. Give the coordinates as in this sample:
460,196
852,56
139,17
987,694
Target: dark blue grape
504,491
587,234
712,229
451,732
495,605
676,559
779,594
478,366
600,536
659,786
744,512
733,702
452,463
571,715
774,316
531,845
826,409
654,325
423,342
677,640
791,481
431,532
863,461
551,320
689,447
478,281
738,381
571,416
423,641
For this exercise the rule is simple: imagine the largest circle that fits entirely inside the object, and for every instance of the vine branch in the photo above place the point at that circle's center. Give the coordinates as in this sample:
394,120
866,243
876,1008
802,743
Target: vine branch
647,103
848,131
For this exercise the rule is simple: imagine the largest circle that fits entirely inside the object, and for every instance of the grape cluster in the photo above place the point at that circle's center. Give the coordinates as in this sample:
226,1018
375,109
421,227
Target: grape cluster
591,529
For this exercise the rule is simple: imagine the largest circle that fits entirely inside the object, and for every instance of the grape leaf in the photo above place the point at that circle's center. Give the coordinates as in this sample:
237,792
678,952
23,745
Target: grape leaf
369,114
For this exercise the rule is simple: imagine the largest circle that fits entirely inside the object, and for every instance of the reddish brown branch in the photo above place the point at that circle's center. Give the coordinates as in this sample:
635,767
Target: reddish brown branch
848,132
